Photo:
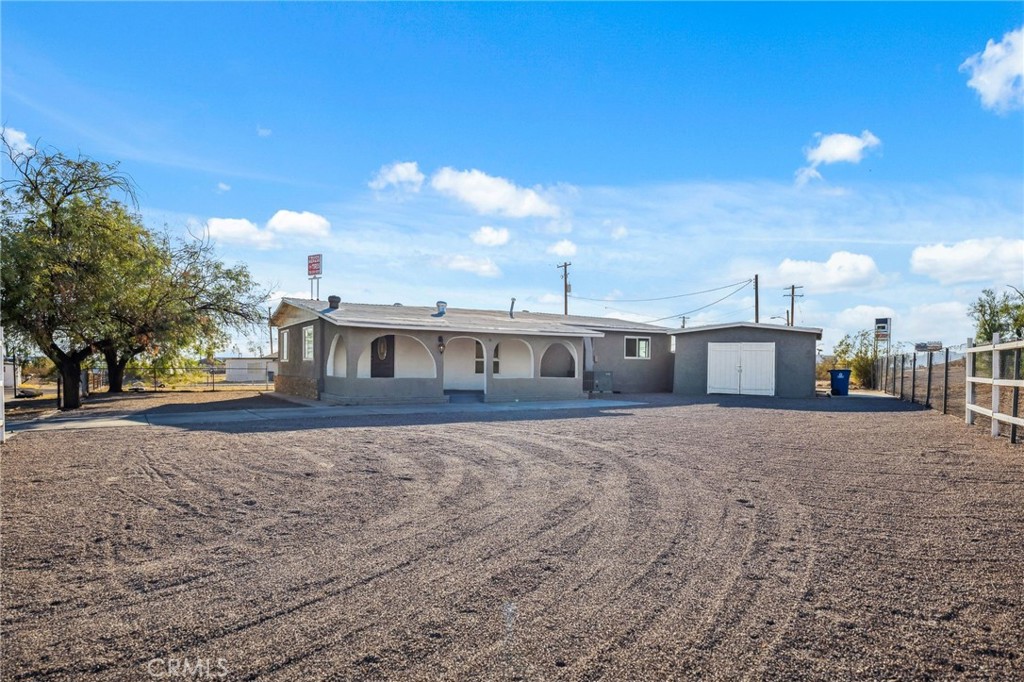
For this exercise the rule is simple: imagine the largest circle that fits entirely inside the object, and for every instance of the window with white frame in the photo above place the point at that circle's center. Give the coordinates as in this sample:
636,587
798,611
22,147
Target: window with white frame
307,343
479,368
638,348
282,344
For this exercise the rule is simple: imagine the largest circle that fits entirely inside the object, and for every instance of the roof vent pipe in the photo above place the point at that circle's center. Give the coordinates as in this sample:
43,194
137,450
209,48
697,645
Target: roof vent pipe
333,302
441,307
511,308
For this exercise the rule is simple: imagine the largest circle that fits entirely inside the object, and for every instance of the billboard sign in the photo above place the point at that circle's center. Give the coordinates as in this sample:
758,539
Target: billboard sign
315,264
882,327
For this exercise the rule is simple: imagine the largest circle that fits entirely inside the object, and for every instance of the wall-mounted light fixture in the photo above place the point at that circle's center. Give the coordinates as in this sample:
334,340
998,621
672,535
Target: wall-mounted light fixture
440,345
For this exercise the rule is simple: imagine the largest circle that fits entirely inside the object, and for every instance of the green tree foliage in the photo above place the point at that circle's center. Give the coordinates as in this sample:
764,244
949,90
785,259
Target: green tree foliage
183,300
857,353
81,274
62,237
1003,314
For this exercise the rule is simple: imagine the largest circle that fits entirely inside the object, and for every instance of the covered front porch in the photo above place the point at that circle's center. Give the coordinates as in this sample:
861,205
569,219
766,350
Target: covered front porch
372,366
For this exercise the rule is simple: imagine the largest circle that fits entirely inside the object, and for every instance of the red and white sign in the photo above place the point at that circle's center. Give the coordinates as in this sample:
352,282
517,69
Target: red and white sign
315,264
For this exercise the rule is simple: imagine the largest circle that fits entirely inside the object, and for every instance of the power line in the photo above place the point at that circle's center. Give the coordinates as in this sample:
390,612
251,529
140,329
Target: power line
731,293
662,298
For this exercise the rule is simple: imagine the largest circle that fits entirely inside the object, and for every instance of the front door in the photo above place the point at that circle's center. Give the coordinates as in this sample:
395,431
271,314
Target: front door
382,357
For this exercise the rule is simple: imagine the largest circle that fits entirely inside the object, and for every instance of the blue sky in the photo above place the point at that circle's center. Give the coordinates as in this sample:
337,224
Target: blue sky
871,153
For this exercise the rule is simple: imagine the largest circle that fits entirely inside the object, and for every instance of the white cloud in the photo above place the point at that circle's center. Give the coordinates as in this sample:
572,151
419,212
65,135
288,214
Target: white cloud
620,232
238,231
17,139
484,267
997,74
302,224
563,249
264,132
283,223
834,148
490,236
972,260
223,187
492,195
862,316
842,271
403,175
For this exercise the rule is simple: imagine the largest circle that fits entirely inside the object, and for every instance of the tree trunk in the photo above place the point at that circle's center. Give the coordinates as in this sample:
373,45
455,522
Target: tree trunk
115,370
71,376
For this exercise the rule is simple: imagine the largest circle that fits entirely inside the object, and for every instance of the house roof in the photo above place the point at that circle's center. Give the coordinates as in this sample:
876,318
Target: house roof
461,319
750,325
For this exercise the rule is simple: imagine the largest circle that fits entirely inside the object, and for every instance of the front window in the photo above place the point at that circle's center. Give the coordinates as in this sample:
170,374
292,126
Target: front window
307,343
479,369
283,344
638,347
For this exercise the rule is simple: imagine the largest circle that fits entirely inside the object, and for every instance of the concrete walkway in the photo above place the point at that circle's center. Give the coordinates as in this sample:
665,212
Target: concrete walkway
187,419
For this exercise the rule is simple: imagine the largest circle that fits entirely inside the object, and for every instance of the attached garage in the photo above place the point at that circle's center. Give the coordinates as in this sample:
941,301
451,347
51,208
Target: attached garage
746,359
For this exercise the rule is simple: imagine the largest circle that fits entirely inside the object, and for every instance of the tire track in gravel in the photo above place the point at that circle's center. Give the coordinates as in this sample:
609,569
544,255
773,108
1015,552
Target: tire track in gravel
555,513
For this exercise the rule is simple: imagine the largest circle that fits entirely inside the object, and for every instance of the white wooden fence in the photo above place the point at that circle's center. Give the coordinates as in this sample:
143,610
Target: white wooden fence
995,412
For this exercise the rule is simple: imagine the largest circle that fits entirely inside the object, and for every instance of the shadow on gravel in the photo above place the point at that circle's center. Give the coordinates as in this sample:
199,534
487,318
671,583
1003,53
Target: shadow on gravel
851,403
306,422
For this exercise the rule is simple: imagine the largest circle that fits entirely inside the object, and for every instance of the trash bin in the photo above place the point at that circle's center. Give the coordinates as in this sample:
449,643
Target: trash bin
840,381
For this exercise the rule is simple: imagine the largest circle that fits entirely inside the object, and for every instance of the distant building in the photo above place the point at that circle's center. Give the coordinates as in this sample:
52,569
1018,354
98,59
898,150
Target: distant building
12,374
250,370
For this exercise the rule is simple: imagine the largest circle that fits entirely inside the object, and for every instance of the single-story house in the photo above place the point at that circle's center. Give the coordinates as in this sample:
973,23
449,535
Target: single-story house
746,359
355,353
250,370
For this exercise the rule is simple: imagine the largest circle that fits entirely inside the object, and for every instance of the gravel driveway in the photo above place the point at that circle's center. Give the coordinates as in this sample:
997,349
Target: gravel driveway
819,539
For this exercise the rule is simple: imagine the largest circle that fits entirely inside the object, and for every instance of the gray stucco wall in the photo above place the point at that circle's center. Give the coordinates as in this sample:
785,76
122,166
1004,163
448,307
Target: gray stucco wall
630,375
299,377
795,357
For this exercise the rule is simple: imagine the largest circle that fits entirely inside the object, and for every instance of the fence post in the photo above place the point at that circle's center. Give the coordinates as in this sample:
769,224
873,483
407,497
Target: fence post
969,386
928,384
1016,394
913,378
996,374
945,382
903,369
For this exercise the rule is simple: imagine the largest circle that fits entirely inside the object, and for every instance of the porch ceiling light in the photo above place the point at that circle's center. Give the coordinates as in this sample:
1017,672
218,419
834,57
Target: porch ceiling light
440,345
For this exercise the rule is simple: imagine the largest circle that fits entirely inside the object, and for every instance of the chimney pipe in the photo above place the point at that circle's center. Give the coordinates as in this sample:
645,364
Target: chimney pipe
333,302
511,308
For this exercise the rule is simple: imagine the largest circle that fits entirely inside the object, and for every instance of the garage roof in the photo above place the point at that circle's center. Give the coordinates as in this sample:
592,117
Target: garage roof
733,325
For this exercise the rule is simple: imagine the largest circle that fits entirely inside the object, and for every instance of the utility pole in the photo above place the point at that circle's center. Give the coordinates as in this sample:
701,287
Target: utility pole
683,325
566,287
757,303
792,303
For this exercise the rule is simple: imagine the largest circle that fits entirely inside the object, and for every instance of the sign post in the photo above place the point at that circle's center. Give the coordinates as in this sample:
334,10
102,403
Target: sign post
883,332
315,268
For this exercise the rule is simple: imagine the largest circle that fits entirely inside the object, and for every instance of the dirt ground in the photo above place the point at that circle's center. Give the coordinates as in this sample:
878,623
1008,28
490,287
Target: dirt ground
713,539
106,404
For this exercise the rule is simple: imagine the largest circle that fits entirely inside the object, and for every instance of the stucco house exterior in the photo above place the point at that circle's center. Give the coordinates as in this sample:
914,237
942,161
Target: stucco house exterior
746,359
353,353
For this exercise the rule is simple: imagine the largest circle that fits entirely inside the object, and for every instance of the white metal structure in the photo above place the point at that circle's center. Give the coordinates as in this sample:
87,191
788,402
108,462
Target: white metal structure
741,368
994,413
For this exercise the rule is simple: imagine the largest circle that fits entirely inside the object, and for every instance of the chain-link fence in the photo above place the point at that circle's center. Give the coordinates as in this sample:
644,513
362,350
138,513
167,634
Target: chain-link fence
938,379
201,378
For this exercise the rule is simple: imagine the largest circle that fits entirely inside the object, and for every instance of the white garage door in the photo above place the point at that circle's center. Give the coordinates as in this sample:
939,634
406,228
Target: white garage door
741,368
